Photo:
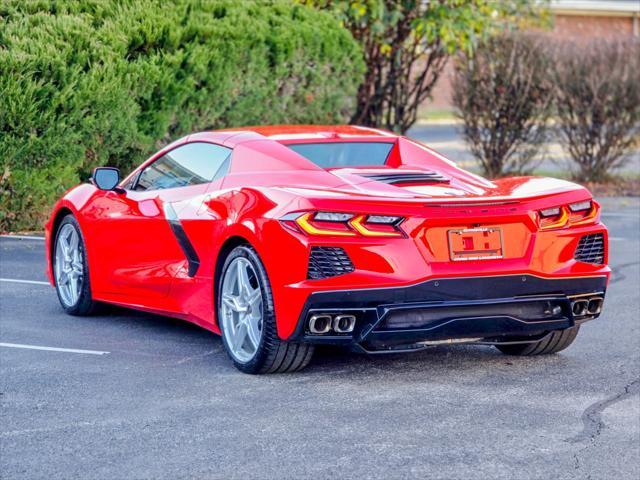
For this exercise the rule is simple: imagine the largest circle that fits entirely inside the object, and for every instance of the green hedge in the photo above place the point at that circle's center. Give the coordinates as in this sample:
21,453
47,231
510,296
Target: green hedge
89,82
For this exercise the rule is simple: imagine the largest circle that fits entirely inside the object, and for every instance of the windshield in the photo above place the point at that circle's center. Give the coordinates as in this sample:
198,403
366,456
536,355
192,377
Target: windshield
344,154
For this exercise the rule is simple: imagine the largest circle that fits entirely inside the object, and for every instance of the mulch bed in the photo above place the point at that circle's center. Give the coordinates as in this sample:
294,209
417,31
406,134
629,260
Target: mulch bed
617,187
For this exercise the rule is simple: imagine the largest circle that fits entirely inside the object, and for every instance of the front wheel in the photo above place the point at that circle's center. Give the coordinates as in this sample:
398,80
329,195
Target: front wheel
247,318
555,342
71,269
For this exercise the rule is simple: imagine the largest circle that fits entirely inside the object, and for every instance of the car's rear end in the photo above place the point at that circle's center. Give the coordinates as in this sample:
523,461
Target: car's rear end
487,272
406,257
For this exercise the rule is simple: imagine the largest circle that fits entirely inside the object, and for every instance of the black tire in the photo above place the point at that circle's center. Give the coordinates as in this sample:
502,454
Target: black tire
557,341
273,355
85,305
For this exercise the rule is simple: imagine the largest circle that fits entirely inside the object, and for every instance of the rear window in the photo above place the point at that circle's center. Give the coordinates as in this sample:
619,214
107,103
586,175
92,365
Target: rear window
344,154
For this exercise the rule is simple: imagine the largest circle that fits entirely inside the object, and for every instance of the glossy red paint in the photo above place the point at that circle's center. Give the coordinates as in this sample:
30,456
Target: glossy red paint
135,260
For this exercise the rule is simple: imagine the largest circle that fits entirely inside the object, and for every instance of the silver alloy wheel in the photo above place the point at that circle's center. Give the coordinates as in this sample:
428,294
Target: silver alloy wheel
69,265
241,309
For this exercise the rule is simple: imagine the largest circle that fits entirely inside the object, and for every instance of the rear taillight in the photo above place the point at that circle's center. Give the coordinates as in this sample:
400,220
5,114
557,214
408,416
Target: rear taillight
556,217
340,224
581,206
573,214
312,226
364,225
583,212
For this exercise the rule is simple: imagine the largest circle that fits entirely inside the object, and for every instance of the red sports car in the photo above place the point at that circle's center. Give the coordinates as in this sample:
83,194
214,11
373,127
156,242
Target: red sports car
281,238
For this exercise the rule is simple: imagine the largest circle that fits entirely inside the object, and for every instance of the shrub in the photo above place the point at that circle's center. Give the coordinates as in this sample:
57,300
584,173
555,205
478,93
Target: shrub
598,104
503,95
92,82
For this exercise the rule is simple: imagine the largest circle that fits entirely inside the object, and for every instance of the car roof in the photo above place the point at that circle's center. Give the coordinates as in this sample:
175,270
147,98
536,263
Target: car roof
298,131
293,134
284,133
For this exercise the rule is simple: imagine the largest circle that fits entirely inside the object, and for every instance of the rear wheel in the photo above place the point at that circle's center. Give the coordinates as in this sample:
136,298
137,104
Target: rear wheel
247,319
555,342
71,269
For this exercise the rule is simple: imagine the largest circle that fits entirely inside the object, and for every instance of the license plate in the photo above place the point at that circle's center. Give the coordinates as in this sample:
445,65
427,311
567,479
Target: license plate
475,244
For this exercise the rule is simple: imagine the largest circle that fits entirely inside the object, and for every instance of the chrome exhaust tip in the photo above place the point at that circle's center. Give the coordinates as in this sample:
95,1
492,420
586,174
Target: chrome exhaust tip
595,305
344,323
320,324
580,308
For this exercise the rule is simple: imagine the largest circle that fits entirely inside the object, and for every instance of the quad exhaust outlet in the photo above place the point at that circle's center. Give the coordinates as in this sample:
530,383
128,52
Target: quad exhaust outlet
344,323
320,324
582,307
595,306
324,323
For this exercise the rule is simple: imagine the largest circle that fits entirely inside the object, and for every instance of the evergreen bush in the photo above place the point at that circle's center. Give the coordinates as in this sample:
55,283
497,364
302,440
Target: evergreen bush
85,83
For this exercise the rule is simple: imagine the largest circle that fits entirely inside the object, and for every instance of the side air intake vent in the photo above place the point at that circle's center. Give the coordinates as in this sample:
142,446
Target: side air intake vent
327,262
407,177
590,249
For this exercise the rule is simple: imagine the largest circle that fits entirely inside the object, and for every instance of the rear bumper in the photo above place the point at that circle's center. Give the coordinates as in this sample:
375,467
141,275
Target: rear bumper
491,309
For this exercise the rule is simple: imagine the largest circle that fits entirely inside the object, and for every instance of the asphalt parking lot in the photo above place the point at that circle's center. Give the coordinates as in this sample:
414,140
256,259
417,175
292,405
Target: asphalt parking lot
157,398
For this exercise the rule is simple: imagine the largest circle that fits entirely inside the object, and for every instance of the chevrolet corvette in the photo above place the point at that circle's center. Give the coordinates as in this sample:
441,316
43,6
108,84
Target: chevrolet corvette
281,238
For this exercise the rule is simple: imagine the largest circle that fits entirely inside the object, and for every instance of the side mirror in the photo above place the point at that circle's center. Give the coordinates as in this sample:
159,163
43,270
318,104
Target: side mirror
106,178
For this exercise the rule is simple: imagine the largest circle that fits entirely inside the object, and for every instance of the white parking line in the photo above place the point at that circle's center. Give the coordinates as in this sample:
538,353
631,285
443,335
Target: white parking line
23,237
16,280
53,349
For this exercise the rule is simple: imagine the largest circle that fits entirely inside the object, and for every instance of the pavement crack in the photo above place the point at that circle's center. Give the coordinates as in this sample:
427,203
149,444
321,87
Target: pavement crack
576,462
592,416
617,275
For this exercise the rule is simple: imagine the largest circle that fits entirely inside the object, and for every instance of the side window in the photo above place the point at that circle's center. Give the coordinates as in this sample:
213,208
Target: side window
189,164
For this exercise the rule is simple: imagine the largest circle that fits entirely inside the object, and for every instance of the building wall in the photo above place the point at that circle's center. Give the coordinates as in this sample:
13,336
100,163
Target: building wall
582,26
565,26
